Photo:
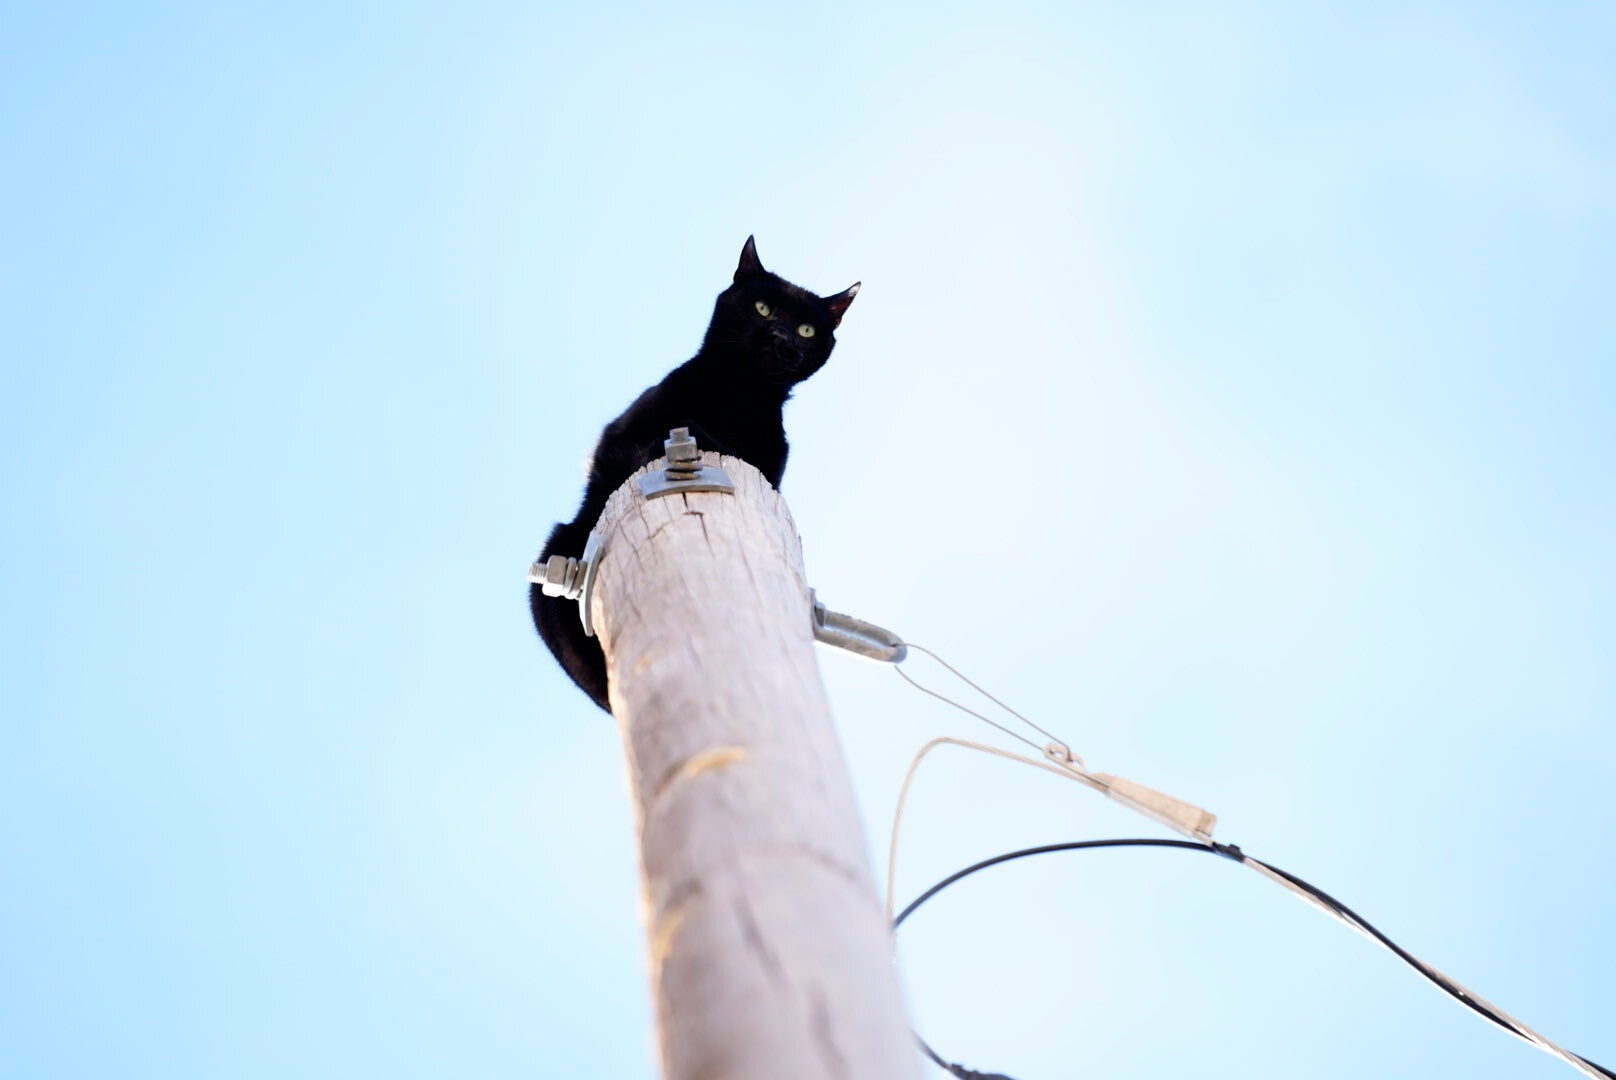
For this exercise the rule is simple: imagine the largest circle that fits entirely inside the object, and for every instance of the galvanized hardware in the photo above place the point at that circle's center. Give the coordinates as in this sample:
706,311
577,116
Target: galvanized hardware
1061,754
587,589
570,579
684,471
559,575
855,635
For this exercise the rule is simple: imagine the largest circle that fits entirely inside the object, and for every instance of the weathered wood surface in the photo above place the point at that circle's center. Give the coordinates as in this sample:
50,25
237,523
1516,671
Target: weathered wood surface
769,954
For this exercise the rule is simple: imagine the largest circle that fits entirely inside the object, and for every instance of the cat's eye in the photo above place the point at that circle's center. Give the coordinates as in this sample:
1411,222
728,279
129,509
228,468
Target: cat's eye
762,309
805,330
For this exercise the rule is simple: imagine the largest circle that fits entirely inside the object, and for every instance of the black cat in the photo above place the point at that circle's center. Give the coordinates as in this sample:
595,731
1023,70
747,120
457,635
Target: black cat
766,336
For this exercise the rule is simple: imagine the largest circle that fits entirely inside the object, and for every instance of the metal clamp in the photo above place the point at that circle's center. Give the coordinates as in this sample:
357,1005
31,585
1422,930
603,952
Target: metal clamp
574,579
684,471
855,635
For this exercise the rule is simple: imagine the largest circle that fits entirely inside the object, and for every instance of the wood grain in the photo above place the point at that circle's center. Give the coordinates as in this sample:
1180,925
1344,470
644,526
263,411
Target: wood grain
770,957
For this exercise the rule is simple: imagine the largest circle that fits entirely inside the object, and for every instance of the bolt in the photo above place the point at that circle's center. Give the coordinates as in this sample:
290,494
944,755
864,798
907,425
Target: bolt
684,456
680,446
559,575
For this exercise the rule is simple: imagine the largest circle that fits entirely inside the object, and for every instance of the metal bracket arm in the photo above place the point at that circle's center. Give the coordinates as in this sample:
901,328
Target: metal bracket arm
855,635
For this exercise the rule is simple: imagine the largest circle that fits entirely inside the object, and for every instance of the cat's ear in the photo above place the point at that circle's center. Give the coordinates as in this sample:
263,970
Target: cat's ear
839,303
750,263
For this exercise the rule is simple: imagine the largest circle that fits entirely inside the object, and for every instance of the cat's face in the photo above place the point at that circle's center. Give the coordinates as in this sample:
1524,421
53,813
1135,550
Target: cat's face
787,332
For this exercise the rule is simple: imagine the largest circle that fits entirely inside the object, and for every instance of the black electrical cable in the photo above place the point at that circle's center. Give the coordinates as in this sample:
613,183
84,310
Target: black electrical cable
1046,849
1233,853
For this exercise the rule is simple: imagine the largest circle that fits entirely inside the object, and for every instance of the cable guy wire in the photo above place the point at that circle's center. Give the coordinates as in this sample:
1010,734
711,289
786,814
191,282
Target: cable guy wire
961,677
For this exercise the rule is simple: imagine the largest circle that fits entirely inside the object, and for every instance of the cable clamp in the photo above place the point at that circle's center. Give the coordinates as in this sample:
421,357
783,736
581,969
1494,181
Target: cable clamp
1178,815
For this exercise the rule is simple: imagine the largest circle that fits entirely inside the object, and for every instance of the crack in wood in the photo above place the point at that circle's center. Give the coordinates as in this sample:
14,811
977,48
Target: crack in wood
758,945
825,1035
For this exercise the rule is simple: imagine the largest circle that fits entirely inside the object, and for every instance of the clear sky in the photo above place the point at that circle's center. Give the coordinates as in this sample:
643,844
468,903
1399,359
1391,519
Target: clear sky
1232,389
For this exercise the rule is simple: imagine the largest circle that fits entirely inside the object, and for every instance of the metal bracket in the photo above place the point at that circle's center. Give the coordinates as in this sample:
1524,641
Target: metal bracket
855,635
574,579
684,472
571,579
587,589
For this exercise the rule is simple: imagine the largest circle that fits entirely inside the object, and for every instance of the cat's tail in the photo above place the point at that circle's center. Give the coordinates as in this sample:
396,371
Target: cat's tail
559,625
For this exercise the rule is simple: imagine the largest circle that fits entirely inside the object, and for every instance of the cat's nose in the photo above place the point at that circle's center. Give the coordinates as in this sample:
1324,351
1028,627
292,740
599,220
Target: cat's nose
781,334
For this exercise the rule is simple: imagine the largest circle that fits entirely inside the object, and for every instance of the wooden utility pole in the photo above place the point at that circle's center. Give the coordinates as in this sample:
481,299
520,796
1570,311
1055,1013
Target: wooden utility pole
770,958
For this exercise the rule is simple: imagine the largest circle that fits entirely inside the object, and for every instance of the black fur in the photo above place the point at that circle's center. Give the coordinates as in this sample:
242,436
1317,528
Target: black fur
730,395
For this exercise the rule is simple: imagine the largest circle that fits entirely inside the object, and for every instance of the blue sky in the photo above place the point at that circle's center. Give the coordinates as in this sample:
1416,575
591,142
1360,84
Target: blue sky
1232,390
